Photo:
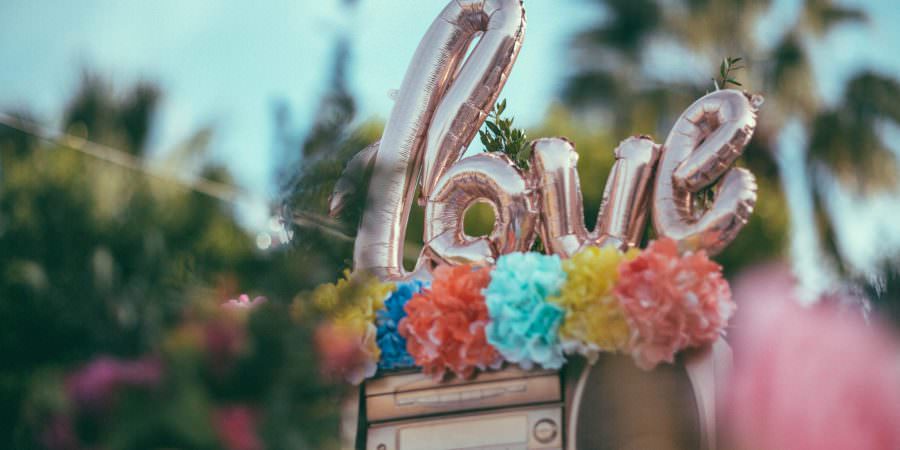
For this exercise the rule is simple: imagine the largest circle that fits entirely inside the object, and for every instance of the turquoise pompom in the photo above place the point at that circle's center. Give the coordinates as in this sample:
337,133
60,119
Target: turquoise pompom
524,327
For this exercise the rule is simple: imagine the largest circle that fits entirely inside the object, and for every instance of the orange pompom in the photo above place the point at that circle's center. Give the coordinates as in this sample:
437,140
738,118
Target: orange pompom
444,326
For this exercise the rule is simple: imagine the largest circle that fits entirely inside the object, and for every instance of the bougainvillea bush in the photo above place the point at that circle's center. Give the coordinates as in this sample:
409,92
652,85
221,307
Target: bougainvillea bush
239,375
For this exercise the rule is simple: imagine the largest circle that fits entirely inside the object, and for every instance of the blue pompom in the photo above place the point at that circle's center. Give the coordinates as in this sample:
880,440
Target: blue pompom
391,343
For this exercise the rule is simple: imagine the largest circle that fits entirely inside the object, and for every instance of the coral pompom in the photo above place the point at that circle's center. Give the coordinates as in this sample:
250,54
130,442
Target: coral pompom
671,302
444,324
594,321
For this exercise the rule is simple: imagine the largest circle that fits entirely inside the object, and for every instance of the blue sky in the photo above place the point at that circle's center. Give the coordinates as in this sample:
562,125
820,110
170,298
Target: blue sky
225,63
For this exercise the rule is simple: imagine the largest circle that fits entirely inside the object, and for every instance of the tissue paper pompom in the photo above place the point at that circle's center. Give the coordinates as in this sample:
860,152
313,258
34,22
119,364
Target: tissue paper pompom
391,343
671,302
350,303
346,342
444,325
347,351
524,326
594,320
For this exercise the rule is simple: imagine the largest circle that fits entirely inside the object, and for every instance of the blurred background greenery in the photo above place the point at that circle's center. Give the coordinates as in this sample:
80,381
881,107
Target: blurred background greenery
102,246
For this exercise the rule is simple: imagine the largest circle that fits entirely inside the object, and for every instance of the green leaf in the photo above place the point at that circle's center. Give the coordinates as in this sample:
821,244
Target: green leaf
484,139
525,152
500,136
492,126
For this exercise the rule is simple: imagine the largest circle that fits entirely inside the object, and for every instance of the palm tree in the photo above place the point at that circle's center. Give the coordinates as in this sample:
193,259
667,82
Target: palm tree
616,74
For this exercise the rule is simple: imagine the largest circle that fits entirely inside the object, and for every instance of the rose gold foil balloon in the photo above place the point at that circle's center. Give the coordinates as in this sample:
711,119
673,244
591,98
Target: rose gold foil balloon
488,177
442,102
626,197
623,211
345,186
473,93
703,143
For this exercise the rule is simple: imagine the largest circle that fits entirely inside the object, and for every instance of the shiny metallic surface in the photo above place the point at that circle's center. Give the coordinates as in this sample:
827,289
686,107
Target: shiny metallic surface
473,92
553,162
626,198
345,186
709,368
700,149
623,212
441,103
676,402
493,179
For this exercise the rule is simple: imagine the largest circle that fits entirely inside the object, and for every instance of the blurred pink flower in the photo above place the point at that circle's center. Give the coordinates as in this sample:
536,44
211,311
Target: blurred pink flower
671,302
766,281
243,302
809,379
93,387
236,428
344,353
59,434
776,279
224,341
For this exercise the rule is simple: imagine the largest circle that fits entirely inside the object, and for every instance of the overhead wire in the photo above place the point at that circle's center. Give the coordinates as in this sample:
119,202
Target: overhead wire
215,189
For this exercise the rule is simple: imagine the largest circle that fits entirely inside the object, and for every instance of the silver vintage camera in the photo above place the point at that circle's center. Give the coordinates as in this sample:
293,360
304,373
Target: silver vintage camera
507,409
608,405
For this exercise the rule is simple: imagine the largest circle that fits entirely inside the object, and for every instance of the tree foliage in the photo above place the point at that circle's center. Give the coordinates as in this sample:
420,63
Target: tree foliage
615,75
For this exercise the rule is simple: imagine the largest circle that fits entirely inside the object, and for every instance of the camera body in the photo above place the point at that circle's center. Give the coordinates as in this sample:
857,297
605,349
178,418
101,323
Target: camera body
610,404
510,408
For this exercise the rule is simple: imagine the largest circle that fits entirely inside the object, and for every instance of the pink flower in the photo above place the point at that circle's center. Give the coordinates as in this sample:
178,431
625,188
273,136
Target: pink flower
224,341
59,434
671,302
776,279
809,379
94,386
236,428
243,302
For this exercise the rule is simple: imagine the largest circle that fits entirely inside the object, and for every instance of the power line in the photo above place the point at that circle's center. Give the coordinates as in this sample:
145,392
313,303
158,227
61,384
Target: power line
215,189
221,191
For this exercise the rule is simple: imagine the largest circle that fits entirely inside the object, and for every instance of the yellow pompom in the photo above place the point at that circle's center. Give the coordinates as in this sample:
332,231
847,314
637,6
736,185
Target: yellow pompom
351,302
594,320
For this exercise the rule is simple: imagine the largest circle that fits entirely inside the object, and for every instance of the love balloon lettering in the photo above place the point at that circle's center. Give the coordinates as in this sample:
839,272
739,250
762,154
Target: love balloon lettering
443,101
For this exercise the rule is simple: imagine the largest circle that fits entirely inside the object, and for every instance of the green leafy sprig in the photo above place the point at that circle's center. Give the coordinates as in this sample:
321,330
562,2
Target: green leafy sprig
726,68
498,135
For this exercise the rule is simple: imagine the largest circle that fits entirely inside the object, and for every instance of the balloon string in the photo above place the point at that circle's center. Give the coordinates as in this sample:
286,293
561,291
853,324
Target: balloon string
326,224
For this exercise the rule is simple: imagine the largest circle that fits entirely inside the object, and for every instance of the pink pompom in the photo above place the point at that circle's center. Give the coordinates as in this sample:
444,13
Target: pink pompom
671,302
809,379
